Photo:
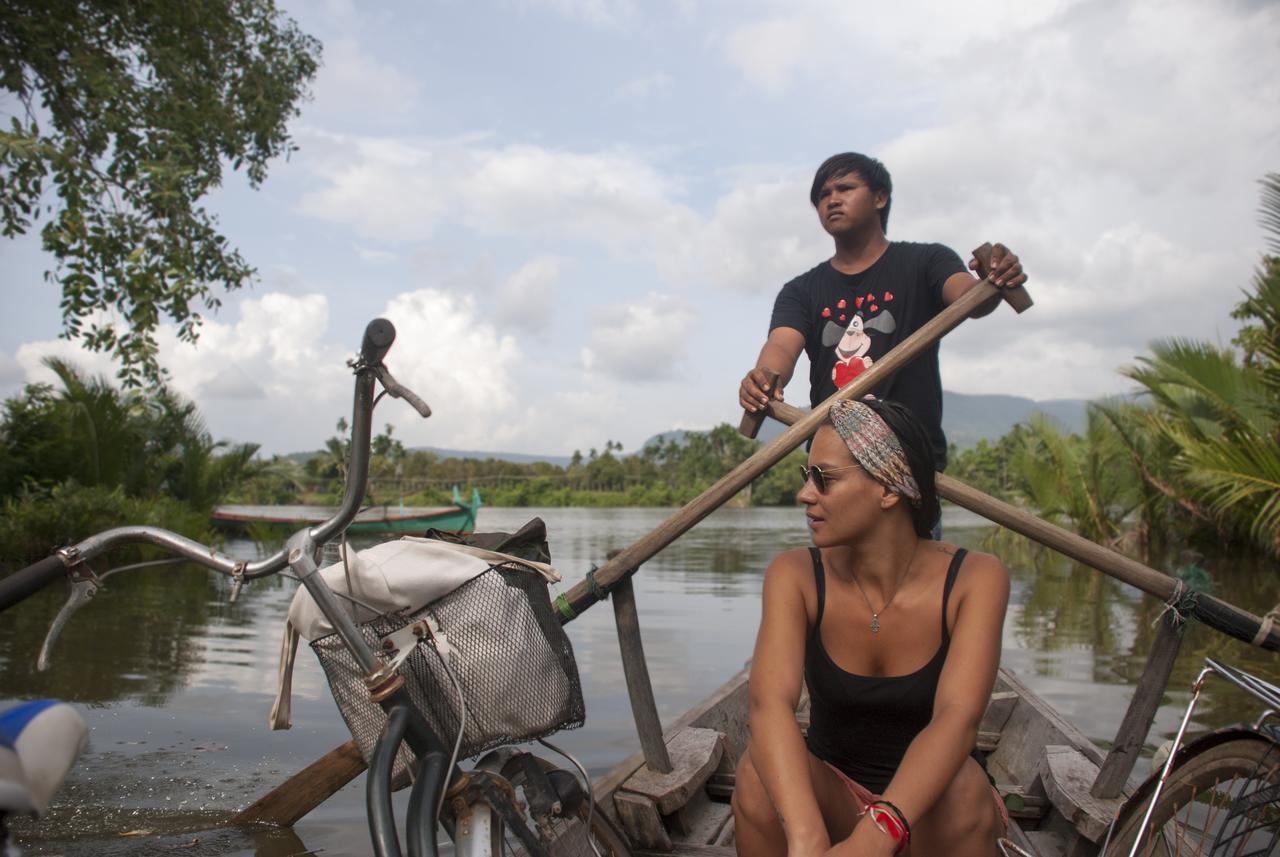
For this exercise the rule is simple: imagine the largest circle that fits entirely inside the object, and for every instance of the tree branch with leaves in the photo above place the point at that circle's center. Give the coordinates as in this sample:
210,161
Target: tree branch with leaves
128,113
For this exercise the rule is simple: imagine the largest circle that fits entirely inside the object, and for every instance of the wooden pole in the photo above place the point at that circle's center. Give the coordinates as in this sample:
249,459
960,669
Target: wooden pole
643,707
1119,763
304,791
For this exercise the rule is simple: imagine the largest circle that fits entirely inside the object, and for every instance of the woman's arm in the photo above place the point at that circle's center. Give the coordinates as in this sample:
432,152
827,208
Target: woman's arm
777,748
964,689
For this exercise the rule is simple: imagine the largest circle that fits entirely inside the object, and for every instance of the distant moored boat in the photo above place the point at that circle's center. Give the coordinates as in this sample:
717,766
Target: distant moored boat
376,520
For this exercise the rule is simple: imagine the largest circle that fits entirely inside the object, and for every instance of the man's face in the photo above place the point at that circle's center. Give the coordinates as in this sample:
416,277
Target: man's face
846,205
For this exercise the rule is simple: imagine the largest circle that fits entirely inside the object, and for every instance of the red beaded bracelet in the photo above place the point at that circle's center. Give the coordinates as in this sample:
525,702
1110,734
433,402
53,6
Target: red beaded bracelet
889,823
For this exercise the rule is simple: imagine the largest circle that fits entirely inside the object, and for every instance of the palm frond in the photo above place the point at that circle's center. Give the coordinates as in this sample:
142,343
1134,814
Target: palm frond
1269,210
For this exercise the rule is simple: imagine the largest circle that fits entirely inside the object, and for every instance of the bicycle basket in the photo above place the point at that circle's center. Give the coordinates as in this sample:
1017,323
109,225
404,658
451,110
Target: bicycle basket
510,657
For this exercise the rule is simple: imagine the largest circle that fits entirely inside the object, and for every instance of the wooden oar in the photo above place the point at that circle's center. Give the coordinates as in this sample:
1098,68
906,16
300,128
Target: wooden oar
304,791
583,595
1077,547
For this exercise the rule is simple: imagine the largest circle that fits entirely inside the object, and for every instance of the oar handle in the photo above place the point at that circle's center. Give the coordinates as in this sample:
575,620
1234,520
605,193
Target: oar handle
1014,296
752,420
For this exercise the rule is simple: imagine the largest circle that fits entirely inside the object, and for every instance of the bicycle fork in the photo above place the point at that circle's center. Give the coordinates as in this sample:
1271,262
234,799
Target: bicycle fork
1169,762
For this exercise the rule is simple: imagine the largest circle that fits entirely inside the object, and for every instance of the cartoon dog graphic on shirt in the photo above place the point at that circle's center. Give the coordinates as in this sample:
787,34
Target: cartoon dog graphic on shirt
853,341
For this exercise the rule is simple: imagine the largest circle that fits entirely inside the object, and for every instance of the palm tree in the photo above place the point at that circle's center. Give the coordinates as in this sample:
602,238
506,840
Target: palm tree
1215,413
1083,480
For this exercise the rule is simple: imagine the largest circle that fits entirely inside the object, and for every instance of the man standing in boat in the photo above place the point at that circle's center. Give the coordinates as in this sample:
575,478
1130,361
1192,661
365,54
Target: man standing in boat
851,309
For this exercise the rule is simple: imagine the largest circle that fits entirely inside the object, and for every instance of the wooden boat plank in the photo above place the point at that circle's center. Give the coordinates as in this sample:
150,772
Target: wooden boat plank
1018,724
725,710
690,851
1067,777
316,514
694,755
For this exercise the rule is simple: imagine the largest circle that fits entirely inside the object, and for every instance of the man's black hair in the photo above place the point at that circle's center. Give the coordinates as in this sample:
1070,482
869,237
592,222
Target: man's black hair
919,452
868,169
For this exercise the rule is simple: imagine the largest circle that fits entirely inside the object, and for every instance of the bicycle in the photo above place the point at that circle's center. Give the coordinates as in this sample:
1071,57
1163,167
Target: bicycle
510,802
1218,794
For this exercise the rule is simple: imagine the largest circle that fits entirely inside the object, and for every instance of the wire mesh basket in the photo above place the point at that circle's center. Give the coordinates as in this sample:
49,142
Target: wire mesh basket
506,648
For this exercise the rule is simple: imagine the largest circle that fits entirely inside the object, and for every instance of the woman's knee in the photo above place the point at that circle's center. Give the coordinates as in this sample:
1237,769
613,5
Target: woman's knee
965,812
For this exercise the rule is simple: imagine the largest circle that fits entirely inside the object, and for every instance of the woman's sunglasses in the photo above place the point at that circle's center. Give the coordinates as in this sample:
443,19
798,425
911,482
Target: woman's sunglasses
821,477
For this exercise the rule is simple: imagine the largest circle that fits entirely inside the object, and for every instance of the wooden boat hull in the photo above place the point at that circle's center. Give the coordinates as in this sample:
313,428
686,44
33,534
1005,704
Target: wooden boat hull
379,520
1040,762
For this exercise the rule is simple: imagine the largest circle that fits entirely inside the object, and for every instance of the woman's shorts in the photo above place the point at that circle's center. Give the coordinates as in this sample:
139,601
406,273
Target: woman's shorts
863,795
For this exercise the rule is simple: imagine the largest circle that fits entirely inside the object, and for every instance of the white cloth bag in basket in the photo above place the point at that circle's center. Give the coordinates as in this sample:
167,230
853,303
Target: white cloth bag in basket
406,574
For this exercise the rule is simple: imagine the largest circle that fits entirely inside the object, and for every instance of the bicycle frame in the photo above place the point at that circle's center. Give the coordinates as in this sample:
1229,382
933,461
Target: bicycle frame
405,722
1264,691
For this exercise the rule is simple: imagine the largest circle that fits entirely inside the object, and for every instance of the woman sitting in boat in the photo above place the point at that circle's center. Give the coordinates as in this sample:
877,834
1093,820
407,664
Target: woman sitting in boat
898,639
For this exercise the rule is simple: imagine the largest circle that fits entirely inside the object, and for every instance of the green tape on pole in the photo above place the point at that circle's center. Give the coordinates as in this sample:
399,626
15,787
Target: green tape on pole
562,604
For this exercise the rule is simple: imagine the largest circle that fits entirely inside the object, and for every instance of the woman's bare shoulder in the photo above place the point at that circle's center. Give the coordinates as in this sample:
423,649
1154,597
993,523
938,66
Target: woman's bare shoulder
795,566
984,575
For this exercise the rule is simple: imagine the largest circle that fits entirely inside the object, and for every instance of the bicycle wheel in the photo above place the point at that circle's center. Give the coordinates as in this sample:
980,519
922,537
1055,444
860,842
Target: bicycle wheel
566,835
1224,800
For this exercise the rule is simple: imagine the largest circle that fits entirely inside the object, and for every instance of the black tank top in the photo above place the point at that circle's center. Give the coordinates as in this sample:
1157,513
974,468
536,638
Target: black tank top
864,724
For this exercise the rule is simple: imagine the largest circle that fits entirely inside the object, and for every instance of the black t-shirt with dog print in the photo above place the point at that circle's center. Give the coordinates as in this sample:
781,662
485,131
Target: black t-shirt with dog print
849,321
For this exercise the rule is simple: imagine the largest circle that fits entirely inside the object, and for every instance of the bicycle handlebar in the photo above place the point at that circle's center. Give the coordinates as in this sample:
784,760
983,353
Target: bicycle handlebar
21,585
378,336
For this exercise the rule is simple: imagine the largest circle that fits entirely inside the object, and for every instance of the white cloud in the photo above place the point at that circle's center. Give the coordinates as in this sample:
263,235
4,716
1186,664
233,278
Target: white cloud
275,375
759,235
640,88
606,13
640,341
372,256
460,362
399,189
527,298
11,373
350,79
771,52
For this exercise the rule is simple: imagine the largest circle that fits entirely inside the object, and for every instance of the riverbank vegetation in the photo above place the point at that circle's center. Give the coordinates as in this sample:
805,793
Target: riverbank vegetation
85,456
669,471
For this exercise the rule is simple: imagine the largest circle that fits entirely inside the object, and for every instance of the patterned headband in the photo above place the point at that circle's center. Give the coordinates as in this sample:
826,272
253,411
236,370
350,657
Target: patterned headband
875,447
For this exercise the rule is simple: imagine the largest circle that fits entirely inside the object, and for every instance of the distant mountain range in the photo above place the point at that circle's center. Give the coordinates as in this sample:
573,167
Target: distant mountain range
966,419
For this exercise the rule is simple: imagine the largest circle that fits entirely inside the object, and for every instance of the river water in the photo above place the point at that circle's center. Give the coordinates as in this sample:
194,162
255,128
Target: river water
176,683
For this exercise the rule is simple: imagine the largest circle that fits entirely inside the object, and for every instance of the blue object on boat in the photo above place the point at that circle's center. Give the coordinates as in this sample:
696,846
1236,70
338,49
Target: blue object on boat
39,742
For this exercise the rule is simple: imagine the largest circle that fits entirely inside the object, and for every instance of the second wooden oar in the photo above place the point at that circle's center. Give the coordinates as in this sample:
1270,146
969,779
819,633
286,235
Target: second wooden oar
1226,617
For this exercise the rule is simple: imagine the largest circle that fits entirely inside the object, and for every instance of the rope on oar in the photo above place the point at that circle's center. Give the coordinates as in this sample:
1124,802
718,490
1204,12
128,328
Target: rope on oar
1235,622
1268,623
1182,604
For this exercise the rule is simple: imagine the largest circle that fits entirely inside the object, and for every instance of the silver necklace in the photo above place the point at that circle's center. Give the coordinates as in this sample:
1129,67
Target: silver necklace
875,615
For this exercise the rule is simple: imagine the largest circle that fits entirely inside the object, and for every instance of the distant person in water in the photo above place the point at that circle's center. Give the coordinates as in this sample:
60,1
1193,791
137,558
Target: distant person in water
850,310
897,637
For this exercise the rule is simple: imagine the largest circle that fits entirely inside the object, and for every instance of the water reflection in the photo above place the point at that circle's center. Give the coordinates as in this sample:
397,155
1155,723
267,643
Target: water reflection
177,682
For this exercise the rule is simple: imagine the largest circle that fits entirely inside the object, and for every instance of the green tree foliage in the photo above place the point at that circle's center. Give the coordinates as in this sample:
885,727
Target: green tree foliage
668,472
90,455
129,113
1084,481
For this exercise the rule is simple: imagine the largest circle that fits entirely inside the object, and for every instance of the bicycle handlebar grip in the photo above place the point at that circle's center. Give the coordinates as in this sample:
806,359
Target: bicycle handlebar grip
21,585
378,337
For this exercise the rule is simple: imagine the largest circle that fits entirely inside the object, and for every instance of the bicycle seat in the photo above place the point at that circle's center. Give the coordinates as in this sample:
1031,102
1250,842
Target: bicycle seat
39,742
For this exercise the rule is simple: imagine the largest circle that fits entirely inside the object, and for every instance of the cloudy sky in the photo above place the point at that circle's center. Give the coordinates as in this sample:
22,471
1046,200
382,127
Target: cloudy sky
577,212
